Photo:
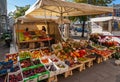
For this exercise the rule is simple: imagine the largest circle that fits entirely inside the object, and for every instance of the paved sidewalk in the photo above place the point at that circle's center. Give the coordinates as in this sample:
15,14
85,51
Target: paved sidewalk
103,72
3,50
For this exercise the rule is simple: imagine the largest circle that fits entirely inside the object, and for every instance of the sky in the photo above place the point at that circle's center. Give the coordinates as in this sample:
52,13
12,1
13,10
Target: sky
11,3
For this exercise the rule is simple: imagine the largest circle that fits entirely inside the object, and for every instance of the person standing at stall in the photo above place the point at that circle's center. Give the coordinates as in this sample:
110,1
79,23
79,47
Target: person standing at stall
27,34
43,32
43,29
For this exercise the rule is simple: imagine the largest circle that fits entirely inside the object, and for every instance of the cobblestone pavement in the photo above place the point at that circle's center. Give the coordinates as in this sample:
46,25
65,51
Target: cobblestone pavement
103,72
3,50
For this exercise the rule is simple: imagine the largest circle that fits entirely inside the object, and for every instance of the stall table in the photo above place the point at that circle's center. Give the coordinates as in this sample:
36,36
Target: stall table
69,72
32,42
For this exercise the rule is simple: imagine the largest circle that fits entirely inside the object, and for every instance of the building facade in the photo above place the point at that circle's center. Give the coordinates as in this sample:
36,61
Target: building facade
3,15
116,9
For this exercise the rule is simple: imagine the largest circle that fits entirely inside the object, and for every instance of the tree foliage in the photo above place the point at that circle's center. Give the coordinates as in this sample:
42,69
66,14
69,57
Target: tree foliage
20,11
93,2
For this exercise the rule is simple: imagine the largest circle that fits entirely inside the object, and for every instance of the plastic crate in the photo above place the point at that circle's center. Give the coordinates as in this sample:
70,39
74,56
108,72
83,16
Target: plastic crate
35,55
12,57
57,47
54,59
56,70
32,67
44,53
24,61
28,55
43,58
37,76
5,67
62,70
31,79
44,75
16,67
15,73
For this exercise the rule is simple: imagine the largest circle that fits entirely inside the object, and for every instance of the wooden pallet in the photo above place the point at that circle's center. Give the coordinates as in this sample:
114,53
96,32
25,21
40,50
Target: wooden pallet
99,60
80,67
107,57
53,79
103,58
88,62
32,45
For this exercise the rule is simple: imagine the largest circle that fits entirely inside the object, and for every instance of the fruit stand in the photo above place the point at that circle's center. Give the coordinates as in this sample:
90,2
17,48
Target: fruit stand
36,37
46,64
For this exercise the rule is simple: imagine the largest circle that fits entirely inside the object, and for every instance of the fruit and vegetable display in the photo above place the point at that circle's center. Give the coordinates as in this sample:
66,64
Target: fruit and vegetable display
31,35
82,59
21,36
26,63
51,67
36,54
34,71
12,57
102,52
46,51
110,43
36,62
107,41
61,55
95,37
15,78
78,45
65,55
91,56
54,59
60,65
57,46
5,67
24,54
45,61
97,46
14,69
71,62
2,78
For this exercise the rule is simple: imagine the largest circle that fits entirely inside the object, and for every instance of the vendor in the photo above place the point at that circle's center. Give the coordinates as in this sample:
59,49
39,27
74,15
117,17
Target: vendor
43,29
27,34
43,32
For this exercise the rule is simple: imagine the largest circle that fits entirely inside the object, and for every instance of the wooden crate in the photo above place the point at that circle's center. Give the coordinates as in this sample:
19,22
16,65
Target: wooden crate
99,60
90,62
80,67
53,79
107,57
32,45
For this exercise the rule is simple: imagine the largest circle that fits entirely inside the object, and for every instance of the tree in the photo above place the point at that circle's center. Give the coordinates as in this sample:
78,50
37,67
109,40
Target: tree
95,2
20,11
84,18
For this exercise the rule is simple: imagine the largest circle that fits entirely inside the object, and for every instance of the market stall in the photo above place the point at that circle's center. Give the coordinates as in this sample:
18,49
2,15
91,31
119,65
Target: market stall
105,25
29,32
63,8
46,63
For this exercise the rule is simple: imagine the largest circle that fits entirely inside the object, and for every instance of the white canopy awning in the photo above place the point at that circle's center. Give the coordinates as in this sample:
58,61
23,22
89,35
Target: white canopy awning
100,19
41,19
62,8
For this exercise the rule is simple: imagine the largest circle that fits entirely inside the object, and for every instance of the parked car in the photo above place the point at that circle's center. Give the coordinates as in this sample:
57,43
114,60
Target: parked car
80,30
